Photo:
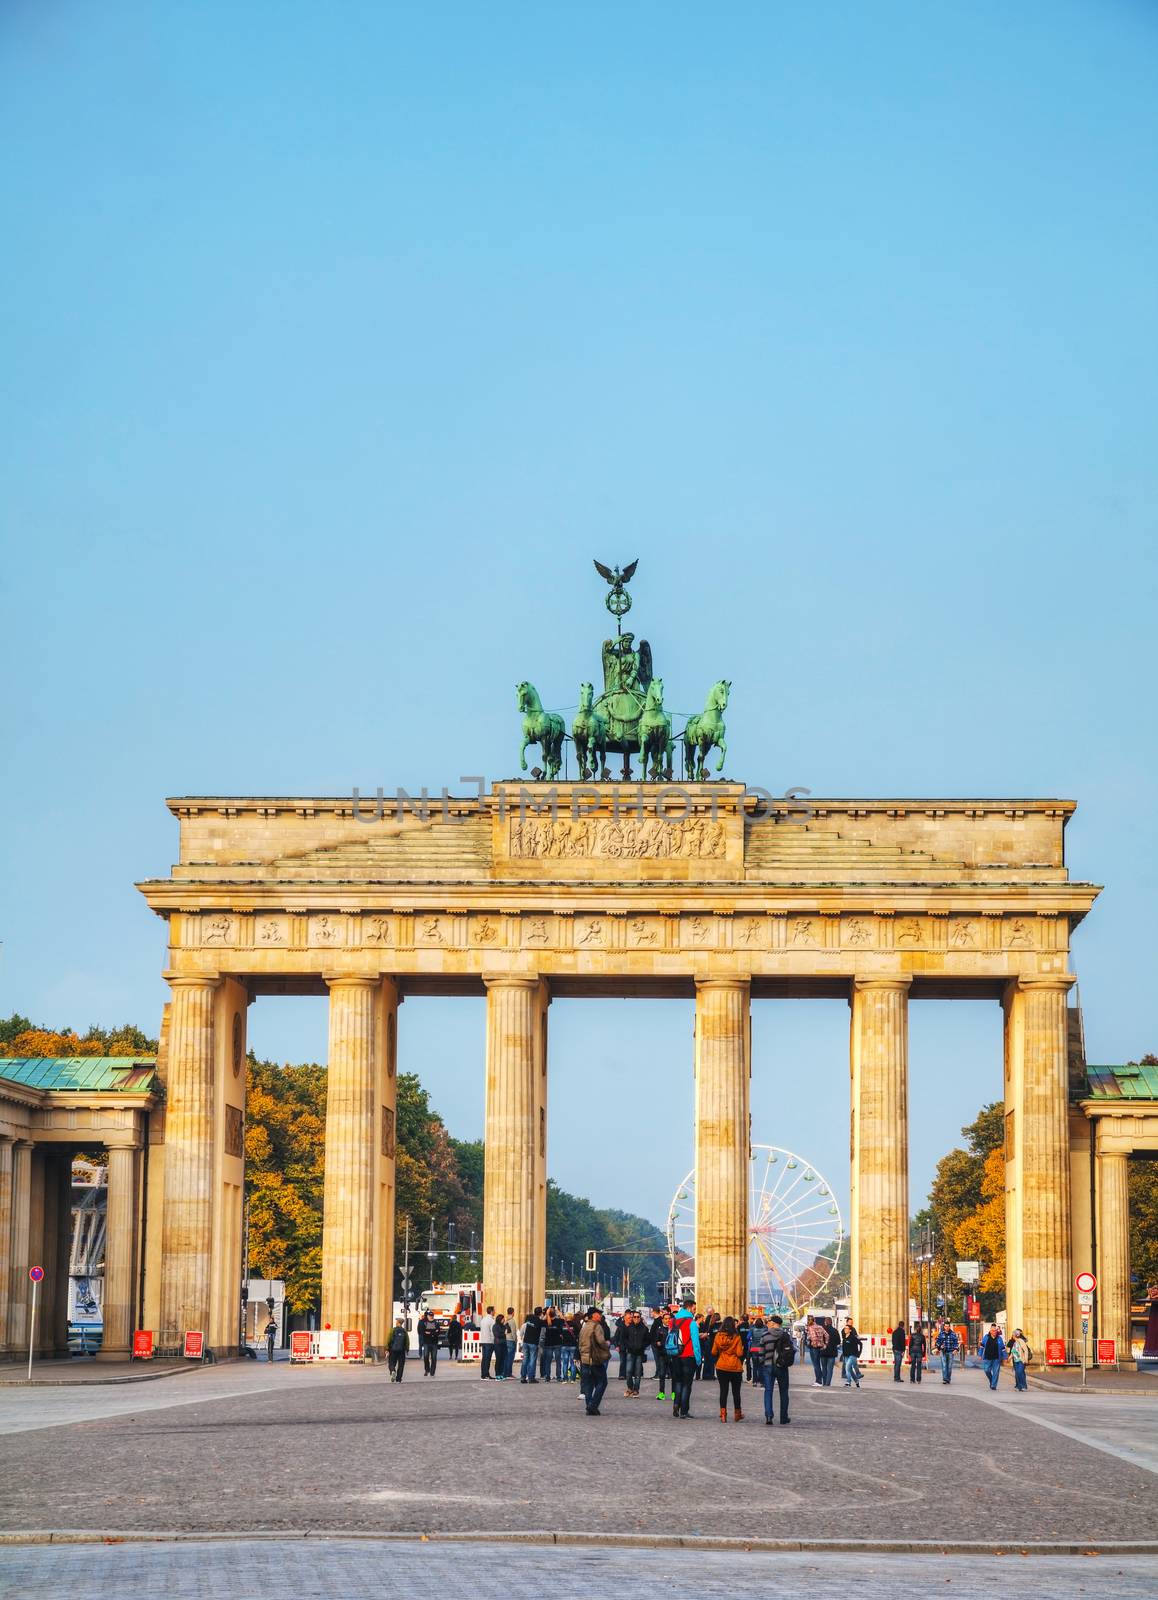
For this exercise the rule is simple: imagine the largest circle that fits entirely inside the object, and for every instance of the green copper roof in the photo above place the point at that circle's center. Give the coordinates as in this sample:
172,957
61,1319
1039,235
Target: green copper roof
106,1074
1132,1082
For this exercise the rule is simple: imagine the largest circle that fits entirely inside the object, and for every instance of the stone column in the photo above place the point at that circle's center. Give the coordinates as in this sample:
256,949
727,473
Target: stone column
723,1074
55,1237
510,1249
20,1258
5,1241
120,1253
187,1225
879,1224
350,1201
1039,1257
1113,1202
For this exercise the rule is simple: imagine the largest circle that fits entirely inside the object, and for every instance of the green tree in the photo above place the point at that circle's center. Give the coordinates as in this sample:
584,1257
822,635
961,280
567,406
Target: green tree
957,1195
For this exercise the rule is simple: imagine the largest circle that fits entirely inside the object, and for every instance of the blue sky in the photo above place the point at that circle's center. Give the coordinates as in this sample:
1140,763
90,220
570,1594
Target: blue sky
337,340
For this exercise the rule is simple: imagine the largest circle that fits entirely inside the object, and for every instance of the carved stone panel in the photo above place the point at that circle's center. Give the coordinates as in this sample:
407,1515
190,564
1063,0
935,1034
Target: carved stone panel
751,933
271,932
327,931
234,1131
965,933
219,929
698,932
1019,933
537,933
858,933
432,930
379,930
486,930
592,933
611,838
645,933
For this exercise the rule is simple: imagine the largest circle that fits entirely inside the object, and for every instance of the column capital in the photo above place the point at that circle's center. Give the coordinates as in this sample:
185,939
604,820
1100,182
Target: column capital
733,980
900,983
192,980
512,980
1047,982
351,980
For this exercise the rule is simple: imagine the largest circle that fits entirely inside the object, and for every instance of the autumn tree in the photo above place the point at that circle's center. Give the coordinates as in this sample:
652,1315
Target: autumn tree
957,1196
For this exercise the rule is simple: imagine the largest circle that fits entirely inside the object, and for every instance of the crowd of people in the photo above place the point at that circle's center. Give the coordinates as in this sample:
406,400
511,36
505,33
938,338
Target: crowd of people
685,1348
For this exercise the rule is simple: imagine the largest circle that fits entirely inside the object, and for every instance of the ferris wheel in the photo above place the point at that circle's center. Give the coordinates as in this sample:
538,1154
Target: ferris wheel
794,1229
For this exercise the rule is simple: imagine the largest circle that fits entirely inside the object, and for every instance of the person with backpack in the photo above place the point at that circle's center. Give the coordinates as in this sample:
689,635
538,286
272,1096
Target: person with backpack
594,1355
1020,1355
684,1356
755,1353
850,1349
396,1347
947,1344
728,1363
992,1354
918,1349
899,1342
777,1353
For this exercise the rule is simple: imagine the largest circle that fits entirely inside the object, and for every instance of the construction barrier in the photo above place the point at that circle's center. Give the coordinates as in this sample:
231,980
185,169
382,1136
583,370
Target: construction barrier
471,1347
327,1344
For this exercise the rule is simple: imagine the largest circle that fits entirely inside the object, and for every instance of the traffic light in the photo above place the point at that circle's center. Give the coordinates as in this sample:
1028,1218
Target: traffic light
591,1261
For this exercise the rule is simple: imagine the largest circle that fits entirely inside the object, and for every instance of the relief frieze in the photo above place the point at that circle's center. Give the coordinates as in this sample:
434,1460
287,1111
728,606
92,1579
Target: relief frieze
578,838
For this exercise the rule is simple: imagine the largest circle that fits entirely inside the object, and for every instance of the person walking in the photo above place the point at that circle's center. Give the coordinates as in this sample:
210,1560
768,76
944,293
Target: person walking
594,1354
512,1344
658,1342
532,1329
684,1356
396,1347
270,1336
728,1364
946,1345
831,1351
454,1338
918,1349
992,1354
850,1349
899,1342
637,1338
486,1343
777,1353
816,1339
755,1352
503,1334
1020,1355
429,1334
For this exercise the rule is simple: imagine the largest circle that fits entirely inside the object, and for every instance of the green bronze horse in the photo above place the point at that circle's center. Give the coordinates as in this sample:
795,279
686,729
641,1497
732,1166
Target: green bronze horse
589,736
705,730
655,743
544,728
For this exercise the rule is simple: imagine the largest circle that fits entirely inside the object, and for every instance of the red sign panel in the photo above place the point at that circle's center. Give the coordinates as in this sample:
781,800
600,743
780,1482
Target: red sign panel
1055,1352
352,1345
194,1345
973,1308
142,1345
300,1344
1107,1352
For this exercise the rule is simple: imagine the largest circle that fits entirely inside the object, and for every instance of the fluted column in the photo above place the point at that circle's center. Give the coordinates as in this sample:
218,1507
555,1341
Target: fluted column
350,1201
21,1256
722,1144
1113,1200
879,1225
510,1248
187,1225
120,1253
5,1241
1039,1258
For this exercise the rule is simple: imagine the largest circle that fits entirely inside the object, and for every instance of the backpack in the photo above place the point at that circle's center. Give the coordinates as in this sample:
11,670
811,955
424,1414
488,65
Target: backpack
675,1344
785,1355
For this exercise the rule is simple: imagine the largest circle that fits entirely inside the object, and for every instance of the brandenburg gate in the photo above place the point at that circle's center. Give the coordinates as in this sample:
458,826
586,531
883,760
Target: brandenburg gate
705,891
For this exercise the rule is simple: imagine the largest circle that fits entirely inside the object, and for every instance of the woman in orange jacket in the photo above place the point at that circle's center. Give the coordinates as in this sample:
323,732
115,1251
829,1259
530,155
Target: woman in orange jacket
728,1355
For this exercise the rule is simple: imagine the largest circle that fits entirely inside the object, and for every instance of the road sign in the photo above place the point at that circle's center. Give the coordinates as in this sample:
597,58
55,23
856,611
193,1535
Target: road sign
1085,1301
36,1274
968,1271
1085,1282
